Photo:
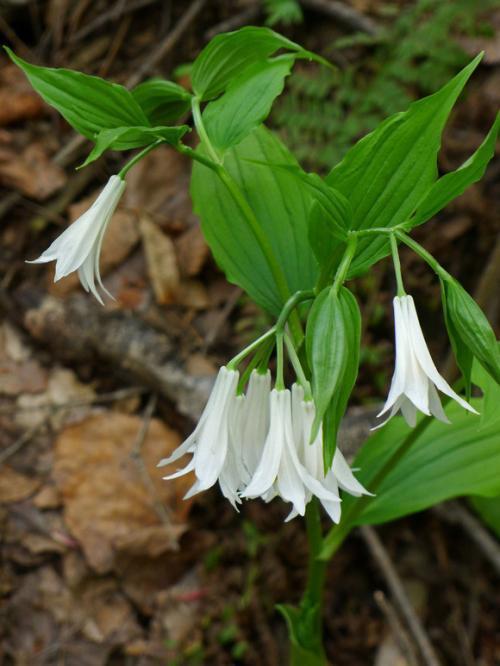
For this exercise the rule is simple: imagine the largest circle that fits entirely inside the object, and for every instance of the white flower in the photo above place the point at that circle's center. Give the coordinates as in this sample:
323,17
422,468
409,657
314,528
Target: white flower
311,456
254,424
211,443
415,377
280,471
79,246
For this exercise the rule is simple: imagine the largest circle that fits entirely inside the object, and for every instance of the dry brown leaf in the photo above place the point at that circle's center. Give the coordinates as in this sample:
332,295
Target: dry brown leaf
192,251
18,100
47,498
193,294
159,186
63,387
16,378
14,486
30,171
106,503
161,261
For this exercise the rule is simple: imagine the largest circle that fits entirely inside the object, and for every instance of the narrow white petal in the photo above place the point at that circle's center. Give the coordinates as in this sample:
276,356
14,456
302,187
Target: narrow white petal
435,404
345,478
409,411
180,472
268,466
402,350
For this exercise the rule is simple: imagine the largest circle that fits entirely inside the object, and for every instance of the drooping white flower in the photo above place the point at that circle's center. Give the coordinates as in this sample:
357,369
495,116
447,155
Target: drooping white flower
280,472
212,443
254,423
311,455
415,378
78,248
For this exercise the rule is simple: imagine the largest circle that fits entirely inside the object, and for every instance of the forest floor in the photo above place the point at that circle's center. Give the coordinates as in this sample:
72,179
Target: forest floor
102,562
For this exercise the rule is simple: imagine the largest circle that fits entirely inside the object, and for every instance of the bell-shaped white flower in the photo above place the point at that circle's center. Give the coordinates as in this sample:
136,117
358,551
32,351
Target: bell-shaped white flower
211,442
254,423
78,248
415,377
280,472
311,455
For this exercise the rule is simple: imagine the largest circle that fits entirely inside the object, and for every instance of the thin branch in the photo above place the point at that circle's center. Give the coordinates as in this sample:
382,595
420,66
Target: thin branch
381,557
24,439
345,14
398,630
453,512
161,510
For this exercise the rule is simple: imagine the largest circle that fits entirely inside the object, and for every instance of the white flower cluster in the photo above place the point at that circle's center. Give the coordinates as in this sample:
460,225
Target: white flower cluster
257,445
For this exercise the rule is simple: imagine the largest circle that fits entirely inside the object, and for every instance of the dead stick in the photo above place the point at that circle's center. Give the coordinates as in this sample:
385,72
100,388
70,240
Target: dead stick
453,512
345,14
136,455
400,634
395,585
171,40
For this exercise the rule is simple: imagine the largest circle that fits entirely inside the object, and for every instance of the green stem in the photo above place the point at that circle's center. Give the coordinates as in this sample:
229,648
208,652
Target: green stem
138,158
297,366
308,650
280,380
397,266
252,221
422,252
290,305
344,265
236,360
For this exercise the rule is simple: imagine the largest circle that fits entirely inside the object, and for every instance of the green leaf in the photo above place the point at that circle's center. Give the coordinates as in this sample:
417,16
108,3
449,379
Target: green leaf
162,101
472,327
327,350
301,623
462,352
489,510
247,101
445,461
388,173
227,54
453,184
123,138
88,103
281,207
336,408
490,414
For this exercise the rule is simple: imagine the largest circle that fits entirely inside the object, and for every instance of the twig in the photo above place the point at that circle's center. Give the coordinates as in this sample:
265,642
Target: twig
453,512
345,14
161,510
112,396
222,316
16,446
233,22
168,43
116,12
395,585
399,632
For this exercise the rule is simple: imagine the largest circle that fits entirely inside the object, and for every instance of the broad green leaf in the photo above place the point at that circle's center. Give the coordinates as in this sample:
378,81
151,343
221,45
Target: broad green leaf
388,173
489,510
445,461
453,184
280,205
227,54
123,138
162,101
327,350
88,103
490,413
462,352
472,327
247,101
338,403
